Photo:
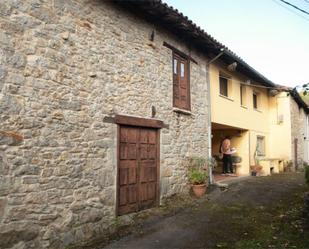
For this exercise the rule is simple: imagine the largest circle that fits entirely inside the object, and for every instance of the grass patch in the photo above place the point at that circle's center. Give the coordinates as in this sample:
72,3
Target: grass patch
247,227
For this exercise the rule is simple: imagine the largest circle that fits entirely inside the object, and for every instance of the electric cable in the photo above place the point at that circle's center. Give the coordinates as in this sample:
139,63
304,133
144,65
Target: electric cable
291,10
294,6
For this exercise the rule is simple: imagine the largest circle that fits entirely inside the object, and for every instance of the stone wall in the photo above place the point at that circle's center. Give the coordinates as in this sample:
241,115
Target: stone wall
298,117
64,66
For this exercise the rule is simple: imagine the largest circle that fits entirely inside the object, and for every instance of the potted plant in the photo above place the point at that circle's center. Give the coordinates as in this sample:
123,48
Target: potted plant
198,175
256,169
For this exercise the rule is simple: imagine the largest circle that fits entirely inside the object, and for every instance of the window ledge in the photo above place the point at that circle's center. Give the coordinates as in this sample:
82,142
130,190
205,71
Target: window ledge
222,96
182,111
257,110
243,106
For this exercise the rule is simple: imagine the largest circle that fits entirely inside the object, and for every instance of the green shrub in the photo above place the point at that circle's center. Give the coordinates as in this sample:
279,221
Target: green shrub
198,176
197,170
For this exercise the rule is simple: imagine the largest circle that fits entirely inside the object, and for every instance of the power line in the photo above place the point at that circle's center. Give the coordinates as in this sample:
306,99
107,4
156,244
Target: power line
294,6
291,10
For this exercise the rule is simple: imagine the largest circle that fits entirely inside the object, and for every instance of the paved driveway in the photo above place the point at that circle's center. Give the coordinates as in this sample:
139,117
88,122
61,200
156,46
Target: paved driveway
214,223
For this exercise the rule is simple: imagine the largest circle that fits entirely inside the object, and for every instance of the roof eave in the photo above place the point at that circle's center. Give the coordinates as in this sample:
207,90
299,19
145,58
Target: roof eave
182,26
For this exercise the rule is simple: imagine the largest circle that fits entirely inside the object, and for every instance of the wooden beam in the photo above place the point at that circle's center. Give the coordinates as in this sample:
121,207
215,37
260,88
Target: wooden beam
179,52
135,121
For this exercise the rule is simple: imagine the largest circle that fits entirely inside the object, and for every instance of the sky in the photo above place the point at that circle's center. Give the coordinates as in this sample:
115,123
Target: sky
269,35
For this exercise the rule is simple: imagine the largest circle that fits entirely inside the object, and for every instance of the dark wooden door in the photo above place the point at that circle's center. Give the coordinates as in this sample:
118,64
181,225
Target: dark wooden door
138,169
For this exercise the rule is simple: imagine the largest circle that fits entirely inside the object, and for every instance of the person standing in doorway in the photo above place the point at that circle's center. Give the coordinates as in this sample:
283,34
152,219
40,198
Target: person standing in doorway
227,152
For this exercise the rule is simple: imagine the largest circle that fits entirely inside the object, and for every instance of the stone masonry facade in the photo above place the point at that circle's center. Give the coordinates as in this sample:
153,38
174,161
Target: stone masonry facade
298,118
65,66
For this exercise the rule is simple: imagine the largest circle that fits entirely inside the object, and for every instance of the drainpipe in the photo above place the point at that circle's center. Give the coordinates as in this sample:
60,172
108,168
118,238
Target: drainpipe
211,180
306,138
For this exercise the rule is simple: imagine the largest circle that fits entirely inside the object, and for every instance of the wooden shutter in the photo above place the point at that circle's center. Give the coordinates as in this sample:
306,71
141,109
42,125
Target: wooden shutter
181,86
127,174
176,94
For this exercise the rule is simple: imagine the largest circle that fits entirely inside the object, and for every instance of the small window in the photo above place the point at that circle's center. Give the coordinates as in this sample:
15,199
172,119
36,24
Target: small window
181,82
255,101
223,86
242,95
260,146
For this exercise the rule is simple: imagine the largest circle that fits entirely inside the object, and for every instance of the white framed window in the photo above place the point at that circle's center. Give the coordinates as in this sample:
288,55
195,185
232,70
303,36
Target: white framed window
224,86
260,145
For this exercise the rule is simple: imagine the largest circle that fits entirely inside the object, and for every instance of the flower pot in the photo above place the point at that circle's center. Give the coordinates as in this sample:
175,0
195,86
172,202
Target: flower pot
253,173
199,190
256,170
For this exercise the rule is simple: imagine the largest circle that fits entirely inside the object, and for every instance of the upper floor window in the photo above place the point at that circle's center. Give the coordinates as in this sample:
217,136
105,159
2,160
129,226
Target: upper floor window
255,100
242,95
224,91
181,82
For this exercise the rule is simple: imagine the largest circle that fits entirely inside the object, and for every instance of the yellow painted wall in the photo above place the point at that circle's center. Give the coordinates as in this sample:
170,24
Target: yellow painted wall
229,111
280,127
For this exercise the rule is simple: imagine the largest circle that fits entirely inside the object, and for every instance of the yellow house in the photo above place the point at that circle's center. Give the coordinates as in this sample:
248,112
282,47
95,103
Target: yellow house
289,128
245,108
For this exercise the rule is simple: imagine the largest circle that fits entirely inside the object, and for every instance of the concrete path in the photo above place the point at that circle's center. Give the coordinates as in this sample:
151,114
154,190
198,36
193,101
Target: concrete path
205,224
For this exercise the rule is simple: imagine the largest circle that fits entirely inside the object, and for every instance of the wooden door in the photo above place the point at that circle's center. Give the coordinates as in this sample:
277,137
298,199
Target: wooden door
137,169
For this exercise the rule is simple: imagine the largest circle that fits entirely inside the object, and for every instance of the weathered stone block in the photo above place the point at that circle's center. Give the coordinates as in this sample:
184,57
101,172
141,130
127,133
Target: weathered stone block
27,170
48,217
77,206
3,74
11,27
90,215
36,198
3,203
11,138
30,179
6,183
26,22
5,9
4,167
9,104
47,172
70,105
16,199
18,60
68,238
7,41
14,233
167,172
